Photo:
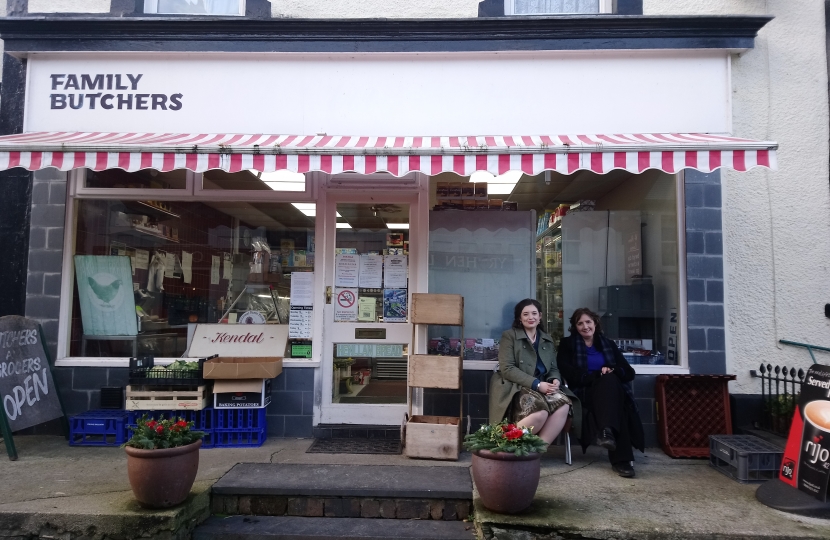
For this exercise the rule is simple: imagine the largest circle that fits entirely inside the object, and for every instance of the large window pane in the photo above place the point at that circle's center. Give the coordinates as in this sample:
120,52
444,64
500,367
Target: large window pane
172,263
605,242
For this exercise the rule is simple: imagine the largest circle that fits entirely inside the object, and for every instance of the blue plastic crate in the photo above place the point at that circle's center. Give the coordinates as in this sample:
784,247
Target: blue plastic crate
241,438
203,420
236,419
98,428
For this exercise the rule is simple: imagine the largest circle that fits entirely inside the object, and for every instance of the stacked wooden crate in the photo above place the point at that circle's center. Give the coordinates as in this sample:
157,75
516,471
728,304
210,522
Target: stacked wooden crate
435,437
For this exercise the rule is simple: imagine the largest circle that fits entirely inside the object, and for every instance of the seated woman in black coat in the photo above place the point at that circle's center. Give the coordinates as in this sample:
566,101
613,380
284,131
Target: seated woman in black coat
596,371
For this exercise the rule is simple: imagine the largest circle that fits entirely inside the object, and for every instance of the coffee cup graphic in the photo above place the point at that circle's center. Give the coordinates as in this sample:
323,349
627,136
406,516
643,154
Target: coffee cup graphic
814,465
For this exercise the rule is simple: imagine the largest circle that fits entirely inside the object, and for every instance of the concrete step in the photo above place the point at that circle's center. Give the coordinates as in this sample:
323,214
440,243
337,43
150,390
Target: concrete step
301,528
440,493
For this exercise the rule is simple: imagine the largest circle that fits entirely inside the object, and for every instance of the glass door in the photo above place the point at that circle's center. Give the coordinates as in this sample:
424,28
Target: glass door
367,334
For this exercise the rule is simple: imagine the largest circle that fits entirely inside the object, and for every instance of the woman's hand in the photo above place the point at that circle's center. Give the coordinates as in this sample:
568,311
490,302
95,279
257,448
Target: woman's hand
606,369
548,388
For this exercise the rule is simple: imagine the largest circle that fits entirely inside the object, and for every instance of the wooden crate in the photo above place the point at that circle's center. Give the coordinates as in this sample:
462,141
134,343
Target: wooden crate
433,437
166,399
429,371
437,309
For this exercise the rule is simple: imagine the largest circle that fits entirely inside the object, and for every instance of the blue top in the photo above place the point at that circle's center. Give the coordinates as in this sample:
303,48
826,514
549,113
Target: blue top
595,359
540,366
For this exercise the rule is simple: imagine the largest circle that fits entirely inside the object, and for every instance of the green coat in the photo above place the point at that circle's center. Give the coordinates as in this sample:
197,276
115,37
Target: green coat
517,363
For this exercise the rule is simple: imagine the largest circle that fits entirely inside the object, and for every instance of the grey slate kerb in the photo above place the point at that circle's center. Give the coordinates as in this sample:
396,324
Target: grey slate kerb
346,481
704,273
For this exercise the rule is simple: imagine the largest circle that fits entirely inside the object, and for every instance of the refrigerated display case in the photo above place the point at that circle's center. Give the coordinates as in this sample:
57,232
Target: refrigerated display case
549,280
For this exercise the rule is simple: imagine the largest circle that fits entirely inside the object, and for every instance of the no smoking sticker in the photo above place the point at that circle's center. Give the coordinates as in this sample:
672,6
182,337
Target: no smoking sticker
345,305
346,298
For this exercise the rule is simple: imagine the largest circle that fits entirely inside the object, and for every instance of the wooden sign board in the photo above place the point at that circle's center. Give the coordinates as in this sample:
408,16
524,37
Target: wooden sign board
254,340
27,390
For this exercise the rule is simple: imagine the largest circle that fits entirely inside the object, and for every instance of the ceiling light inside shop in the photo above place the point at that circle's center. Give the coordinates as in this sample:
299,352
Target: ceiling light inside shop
309,209
343,226
282,180
502,184
397,225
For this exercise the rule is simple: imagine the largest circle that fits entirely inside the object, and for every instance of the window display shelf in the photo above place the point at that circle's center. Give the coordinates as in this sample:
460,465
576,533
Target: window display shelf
151,210
143,233
550,231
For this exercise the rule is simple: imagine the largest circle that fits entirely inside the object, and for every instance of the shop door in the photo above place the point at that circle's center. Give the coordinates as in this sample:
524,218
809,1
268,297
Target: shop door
371,270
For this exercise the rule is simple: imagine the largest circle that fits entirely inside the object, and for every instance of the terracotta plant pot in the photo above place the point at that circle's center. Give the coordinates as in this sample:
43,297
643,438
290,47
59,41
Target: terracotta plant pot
506,482
162,478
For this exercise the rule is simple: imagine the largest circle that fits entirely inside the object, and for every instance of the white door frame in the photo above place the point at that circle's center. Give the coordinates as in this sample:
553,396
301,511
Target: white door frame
418,200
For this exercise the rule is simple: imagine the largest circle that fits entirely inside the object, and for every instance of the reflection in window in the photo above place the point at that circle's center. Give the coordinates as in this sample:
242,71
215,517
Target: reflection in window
545,7
196,7
254,181
144,270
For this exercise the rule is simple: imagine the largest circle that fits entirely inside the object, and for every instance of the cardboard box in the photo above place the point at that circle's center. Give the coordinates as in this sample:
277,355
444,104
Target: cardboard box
249,367
242,393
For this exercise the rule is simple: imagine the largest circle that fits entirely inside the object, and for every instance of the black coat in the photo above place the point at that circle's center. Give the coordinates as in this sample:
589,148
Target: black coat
579,380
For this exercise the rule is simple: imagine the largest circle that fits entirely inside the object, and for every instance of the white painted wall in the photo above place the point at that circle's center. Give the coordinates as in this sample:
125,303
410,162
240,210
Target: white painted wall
397,9
776,224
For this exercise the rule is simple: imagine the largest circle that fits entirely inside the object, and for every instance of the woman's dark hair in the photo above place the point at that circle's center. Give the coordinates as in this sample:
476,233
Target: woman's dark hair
578,315
517,312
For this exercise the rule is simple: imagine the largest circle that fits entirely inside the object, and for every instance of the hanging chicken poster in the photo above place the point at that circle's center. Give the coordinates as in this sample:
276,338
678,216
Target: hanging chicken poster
105,293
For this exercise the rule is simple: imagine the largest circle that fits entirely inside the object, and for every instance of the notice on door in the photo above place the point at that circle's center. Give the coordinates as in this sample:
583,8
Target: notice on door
371,271
345,305
394,271
347,270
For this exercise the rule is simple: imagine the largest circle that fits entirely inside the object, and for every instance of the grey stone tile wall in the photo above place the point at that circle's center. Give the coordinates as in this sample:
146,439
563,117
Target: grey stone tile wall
43,283
704,273
290,413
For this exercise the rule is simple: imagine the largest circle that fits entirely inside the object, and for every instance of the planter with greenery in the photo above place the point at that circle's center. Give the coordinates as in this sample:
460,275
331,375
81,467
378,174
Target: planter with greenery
506,465
162,460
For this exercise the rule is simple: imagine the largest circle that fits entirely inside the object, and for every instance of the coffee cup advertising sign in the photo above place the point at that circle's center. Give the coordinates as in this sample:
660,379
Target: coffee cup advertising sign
806,462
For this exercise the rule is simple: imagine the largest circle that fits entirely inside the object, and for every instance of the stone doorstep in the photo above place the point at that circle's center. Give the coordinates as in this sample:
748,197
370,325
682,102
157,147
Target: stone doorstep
342,507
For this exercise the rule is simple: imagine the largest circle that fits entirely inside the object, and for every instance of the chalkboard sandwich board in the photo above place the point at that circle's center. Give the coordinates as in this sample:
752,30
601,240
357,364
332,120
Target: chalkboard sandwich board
27,389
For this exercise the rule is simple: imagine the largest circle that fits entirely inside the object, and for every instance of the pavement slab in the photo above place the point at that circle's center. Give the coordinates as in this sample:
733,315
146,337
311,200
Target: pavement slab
291,528
668,499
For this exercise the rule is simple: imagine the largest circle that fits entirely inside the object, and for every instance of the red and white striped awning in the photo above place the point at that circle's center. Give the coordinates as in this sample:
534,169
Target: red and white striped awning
531,154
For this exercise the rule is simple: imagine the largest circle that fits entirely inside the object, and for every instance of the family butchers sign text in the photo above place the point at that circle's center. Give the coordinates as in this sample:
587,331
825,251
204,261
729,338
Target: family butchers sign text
26,386
106,91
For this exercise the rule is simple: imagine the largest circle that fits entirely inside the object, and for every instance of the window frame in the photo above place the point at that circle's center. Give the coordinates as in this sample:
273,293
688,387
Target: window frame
606,7
151,7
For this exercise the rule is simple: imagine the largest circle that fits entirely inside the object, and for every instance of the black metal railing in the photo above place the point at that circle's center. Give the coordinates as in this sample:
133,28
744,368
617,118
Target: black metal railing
780,388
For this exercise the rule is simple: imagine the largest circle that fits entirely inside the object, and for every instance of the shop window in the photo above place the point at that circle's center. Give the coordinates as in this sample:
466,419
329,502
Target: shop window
555,7
145,270
195,7
606,242
147,179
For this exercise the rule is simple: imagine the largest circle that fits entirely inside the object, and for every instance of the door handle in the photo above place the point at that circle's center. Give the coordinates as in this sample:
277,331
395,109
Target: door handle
328,294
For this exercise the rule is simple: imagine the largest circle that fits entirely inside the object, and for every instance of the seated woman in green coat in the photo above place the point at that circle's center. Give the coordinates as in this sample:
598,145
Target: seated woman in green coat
527,389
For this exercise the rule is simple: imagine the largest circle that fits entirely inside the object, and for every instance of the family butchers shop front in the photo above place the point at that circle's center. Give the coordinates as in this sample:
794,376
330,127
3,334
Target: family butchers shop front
158,129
